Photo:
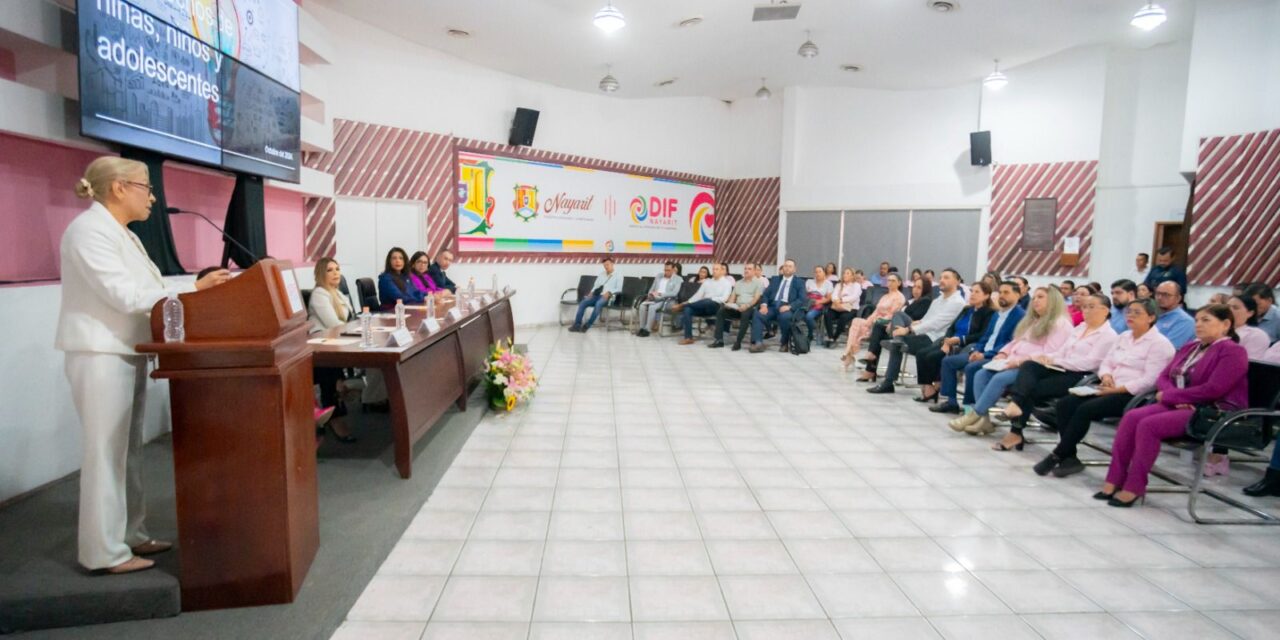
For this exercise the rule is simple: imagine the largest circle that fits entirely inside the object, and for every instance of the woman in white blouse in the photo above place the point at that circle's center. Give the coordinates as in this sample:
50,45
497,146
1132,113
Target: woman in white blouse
328,309
819,292
1254,340
846,298
109,286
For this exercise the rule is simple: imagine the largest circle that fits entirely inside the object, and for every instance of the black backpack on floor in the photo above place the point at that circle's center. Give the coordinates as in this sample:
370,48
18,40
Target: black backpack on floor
799,334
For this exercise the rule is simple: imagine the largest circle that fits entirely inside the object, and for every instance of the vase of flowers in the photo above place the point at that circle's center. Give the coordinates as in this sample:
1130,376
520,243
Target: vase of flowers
509,377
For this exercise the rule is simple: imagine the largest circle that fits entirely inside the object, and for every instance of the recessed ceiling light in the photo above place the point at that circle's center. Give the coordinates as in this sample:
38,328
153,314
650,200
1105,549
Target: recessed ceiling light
609,19
690,22
851,68
943,6
763,93
458,33
665,83
996,80
1150,16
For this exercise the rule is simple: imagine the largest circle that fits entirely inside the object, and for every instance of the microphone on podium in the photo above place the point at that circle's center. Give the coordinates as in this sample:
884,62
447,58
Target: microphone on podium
174,210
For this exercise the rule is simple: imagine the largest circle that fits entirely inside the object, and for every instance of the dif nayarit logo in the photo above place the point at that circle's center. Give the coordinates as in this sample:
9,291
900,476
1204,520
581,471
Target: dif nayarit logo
639,210
702,218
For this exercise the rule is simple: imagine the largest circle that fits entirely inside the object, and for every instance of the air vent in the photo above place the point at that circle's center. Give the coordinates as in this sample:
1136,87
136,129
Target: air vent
665,83
851,68
943,6
458,33
690,22
775,11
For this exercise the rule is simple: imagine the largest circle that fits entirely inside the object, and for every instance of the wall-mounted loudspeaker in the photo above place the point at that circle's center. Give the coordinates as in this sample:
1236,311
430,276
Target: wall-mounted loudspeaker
522,127
980,148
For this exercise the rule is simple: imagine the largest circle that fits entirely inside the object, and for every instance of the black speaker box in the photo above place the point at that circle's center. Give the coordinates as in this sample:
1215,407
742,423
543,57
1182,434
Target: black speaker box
522,127
980,148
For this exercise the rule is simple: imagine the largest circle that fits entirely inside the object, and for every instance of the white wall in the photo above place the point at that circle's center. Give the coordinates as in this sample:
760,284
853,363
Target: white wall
1051,110
1234,80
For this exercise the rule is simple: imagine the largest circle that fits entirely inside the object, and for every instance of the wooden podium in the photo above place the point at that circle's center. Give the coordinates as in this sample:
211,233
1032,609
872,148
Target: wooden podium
243,439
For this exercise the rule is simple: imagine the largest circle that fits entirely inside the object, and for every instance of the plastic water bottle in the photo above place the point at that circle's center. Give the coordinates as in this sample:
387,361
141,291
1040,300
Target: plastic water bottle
173,320
495,284
366,328
399,314
431,306
471,288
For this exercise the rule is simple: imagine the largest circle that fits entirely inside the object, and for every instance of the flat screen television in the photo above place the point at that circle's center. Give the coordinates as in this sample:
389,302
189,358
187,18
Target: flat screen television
156,74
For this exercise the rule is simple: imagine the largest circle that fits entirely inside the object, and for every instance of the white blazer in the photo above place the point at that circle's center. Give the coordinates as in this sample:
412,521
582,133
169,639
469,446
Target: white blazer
109,285
323,315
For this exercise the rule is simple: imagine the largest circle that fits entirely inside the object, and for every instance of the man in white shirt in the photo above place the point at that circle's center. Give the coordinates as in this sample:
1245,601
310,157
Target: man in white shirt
925,331
607,285
707,300
1141,268
664,290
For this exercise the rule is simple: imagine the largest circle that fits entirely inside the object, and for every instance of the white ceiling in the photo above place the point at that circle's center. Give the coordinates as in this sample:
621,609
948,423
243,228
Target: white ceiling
901,44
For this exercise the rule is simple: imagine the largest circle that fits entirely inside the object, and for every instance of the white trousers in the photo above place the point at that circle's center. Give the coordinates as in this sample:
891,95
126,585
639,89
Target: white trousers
109,392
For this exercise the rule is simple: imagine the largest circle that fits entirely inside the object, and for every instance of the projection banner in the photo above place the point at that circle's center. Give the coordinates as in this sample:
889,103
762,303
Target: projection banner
517,205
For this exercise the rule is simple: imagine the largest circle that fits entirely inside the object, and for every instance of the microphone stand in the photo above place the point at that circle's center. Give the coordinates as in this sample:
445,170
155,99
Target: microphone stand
175,210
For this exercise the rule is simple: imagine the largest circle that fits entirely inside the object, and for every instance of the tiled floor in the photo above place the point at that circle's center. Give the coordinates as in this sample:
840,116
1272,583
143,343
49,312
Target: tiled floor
654,491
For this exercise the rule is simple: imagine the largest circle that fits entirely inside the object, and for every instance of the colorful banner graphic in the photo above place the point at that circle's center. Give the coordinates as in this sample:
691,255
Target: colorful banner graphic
519,205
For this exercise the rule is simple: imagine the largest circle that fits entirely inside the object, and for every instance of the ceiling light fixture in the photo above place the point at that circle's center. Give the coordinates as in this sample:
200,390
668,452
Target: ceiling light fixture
608,83
996,80
808,49
458,33
665,83
1149,17
943,6
690,22
851,68
609,19
763,93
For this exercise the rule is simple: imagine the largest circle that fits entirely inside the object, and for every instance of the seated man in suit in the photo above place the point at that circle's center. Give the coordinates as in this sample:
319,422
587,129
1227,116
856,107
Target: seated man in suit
999,332
607,285
663,292
707,301
741,304
784,295
438,268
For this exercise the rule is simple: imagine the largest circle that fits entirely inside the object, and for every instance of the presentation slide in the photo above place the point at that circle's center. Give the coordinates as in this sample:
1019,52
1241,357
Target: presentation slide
147,84
261,124
262,34
197,17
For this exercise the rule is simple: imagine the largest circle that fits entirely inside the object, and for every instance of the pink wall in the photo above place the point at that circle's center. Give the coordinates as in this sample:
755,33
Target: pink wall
37,204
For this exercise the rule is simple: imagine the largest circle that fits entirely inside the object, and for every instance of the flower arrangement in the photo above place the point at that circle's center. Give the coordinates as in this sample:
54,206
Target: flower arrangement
509,377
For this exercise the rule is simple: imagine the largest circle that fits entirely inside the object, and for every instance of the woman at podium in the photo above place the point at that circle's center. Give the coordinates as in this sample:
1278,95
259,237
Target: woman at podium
109,286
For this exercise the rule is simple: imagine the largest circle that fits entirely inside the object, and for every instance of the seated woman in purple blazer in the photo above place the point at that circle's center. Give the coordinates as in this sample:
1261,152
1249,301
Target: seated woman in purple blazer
419,263
1211,369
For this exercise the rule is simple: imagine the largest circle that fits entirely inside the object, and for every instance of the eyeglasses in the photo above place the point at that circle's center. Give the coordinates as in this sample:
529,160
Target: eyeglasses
144,185
1164,294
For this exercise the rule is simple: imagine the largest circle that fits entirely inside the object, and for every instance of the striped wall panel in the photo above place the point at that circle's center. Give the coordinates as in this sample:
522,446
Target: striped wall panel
376,161
1235,215
1072,183
319,228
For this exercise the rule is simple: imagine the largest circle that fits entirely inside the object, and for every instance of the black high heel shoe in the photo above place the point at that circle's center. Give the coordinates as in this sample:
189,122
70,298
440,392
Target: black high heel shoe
933,399
1103,495
1116,502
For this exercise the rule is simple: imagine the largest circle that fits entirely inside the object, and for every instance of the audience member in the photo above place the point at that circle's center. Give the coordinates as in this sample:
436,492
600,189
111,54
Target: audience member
327,309
663,292
1273,354
1165,270
1095,287
1044,329
846,299
916,274
1269,485
889,304
1141,269
394,283
921,298
1050,375
1174,323
741,304
992,279
1144,292
702,275
881,277
818,290
963,333
1024,292
1130,369
706,301
1268,314
785,291
832,275
1244,312
607,285
971,359
922,292
927,331
419,268
438,271
1122,293
1211,369
1078,295
1220,298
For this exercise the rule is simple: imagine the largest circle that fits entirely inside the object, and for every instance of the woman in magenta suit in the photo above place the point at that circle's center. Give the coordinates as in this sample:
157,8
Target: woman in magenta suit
1208,370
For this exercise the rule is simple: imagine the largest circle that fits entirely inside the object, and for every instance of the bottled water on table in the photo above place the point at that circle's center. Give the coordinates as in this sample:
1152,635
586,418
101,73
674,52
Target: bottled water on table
173,320
471,288
366,328
495,284
399,314
431,306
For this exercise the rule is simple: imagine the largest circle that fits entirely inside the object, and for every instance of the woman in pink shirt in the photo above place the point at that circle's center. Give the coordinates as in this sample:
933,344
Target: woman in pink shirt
889,304
1043,330
1049,376
1136,359
1254,340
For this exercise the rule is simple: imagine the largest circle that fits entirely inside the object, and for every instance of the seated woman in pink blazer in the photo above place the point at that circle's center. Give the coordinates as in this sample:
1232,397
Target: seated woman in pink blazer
1211,369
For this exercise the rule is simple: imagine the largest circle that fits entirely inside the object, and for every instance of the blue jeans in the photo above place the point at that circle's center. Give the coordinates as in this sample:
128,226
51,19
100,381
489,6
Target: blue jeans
701,308
989,385
952,365
597,302
762,320
810,319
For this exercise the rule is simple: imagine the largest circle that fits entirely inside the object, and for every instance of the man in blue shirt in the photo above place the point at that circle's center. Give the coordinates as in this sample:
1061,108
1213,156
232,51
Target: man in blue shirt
970,359
607,285
1174,322
1122,293
880,278
1165,270
1268,314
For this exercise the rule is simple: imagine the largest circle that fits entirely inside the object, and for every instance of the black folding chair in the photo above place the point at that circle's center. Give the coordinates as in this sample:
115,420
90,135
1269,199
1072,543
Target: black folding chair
633,290
368,294
571,304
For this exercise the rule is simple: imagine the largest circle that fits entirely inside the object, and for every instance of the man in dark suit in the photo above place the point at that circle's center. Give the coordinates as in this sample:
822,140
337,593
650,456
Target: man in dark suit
437,269
784,296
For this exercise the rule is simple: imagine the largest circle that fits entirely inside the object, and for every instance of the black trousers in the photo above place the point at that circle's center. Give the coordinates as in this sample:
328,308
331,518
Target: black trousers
910,344
1075,414
879,333
929,363
838,321
1037,383
725,314
328,378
